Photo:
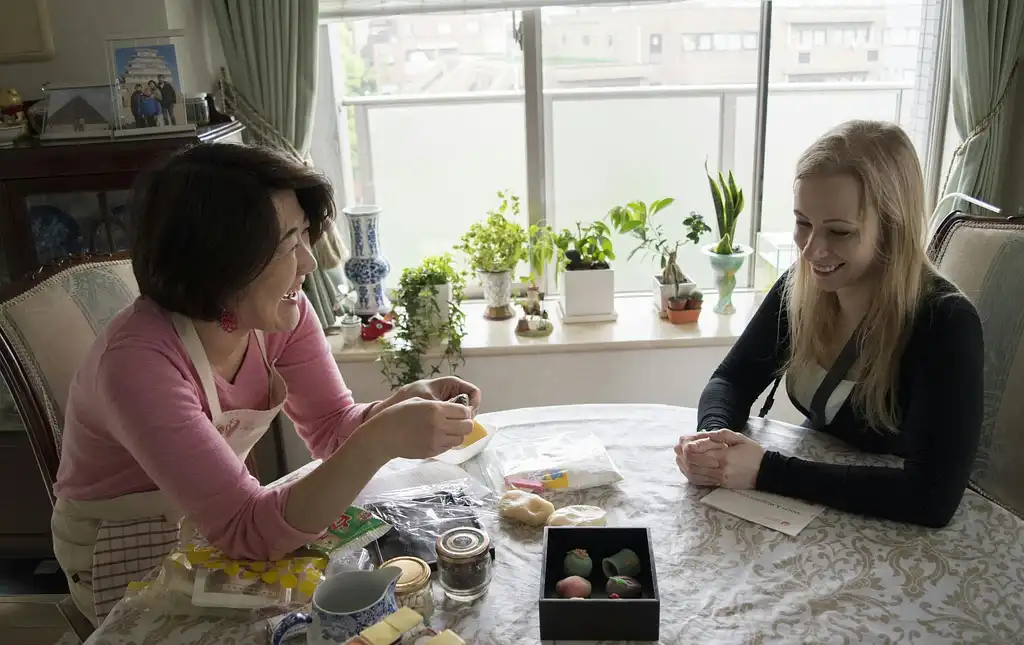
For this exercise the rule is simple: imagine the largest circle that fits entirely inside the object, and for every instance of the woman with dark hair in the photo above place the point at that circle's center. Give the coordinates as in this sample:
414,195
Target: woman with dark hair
182,383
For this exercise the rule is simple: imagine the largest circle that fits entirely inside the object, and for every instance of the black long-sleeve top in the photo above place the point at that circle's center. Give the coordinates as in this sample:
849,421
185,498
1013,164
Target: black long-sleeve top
940,398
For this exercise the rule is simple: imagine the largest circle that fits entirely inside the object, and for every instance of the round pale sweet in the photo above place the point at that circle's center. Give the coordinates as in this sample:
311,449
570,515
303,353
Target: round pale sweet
579,515
573,587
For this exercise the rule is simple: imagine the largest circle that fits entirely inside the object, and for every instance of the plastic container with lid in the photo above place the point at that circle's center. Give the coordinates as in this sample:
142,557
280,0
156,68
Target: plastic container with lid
464,563
413,588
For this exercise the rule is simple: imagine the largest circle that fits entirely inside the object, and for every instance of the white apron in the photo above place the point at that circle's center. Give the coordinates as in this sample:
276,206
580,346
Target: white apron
103,545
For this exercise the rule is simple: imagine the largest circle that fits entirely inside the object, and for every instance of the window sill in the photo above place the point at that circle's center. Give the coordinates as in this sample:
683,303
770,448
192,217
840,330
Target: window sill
637,327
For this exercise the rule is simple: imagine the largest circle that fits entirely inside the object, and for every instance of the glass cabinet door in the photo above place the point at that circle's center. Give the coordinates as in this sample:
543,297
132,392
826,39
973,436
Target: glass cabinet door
65,223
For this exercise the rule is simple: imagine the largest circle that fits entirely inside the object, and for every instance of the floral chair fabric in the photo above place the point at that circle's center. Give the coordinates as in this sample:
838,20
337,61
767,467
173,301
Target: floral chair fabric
984,257
51,327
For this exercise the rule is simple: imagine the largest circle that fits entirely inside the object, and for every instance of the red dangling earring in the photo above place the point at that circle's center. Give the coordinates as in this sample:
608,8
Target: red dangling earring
228,321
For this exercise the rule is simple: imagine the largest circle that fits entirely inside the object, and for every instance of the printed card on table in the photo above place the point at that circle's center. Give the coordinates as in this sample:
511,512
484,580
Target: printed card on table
784,514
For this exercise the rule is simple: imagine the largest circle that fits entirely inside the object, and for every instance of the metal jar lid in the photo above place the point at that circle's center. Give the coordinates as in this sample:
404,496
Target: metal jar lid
415,574
462,543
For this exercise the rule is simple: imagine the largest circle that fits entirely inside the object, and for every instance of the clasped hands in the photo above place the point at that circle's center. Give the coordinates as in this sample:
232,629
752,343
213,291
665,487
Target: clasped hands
719,458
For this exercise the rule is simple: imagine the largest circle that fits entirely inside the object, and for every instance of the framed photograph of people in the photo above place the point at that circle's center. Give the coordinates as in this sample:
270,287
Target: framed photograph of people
149,86
78,111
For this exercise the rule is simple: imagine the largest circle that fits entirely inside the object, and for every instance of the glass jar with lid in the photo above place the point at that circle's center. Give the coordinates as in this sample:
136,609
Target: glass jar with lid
413,588
464,563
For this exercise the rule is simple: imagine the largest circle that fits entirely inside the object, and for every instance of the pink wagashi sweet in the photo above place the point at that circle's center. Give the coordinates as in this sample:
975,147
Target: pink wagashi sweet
573,587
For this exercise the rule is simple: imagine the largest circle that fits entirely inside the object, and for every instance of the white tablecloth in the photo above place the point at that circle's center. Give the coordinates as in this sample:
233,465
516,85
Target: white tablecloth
844,579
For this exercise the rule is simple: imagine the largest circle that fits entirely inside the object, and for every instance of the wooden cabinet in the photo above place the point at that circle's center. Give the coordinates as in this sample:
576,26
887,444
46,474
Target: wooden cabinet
61,198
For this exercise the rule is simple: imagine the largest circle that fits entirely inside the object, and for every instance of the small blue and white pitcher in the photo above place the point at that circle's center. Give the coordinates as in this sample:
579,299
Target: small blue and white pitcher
343,606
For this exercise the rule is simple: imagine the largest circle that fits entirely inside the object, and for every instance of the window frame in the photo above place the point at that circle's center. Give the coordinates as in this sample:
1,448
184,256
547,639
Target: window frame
539,154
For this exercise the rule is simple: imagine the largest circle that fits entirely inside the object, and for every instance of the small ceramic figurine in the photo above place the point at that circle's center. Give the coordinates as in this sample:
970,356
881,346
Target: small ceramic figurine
573,587
622,587
578,563
534,322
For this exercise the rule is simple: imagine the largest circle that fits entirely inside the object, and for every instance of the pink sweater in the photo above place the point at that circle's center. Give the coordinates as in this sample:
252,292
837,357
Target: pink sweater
137,420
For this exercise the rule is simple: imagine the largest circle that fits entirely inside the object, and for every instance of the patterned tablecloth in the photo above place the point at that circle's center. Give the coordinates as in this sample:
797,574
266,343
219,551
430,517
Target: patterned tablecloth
843,579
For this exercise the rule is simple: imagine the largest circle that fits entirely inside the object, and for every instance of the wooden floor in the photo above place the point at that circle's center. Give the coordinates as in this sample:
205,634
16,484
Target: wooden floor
29,592
33,620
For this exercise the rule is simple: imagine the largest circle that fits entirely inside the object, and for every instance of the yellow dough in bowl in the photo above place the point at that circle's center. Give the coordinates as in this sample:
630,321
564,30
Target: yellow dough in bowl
478,433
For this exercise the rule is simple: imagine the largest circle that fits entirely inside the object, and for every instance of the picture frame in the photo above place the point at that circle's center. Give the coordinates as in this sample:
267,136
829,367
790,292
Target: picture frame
77,111
149,86
25,32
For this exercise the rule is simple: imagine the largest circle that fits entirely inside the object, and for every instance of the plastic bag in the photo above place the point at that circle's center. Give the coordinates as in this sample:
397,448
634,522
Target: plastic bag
419,515
560,461
348,560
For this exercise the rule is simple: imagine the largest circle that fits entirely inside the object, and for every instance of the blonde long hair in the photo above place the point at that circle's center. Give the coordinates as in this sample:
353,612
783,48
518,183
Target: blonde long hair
882,159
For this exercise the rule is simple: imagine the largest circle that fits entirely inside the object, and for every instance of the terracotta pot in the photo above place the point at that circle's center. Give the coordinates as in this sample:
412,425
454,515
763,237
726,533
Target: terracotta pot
677,314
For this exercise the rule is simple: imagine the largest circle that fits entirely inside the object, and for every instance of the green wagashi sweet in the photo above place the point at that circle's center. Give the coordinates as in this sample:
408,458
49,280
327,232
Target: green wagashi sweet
623,586
578,563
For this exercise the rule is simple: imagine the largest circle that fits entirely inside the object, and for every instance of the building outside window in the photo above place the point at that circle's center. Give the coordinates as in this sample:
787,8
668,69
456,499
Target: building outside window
433,138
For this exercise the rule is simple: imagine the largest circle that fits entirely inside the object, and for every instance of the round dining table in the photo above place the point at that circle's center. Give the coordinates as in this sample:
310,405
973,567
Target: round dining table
844,578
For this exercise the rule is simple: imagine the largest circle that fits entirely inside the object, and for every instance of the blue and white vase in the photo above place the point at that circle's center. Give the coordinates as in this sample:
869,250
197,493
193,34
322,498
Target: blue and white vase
367,267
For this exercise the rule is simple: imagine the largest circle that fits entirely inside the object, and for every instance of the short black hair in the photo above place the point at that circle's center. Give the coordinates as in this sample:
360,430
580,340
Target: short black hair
204,225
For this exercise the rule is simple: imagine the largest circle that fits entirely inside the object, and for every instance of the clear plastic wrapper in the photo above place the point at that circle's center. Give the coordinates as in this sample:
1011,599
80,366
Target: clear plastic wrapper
348,560
557,461
419,515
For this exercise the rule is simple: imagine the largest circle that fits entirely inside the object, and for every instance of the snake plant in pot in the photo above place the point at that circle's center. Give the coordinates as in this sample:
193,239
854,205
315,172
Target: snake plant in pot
427,314
726,255
587,293
495,247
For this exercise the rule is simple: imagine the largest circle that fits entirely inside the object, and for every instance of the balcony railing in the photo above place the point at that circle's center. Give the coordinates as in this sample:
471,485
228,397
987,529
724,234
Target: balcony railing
439,159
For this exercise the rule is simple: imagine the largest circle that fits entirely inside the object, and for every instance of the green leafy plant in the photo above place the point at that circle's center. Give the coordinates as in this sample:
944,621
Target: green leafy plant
542,250
729,204
498,243
590,247
420,322
636,219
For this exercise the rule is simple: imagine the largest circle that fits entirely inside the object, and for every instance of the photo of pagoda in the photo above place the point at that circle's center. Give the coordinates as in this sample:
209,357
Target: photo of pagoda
149,87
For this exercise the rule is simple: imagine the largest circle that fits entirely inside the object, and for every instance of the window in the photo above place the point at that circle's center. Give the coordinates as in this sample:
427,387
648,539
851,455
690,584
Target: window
655,46
433,137
795,119
444,28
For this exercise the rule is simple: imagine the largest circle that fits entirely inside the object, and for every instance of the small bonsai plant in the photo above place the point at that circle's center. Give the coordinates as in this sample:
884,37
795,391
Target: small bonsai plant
729,202
636,219
590,247
421,320
498,244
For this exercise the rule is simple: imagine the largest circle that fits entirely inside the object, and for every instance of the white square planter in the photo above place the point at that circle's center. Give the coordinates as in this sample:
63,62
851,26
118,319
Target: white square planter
588,296
662,292
444,297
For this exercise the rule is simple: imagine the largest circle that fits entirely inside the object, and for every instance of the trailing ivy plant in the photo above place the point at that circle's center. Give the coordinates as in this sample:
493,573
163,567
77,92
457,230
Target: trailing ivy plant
542,250
498,243
420,324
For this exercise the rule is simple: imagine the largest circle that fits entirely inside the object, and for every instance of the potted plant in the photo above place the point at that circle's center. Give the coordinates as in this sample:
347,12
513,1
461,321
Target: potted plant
351,324
726,255
427,311
588,293
636,219
494,248
685,309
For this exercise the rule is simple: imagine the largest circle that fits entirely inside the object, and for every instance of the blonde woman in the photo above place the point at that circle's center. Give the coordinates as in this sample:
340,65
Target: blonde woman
876,348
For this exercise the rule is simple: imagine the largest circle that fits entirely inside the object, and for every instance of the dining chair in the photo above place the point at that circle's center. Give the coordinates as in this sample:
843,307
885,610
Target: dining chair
984,257
48,323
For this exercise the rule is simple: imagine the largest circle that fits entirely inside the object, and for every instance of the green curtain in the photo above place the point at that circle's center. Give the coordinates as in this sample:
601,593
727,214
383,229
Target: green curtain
985,47
270,85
